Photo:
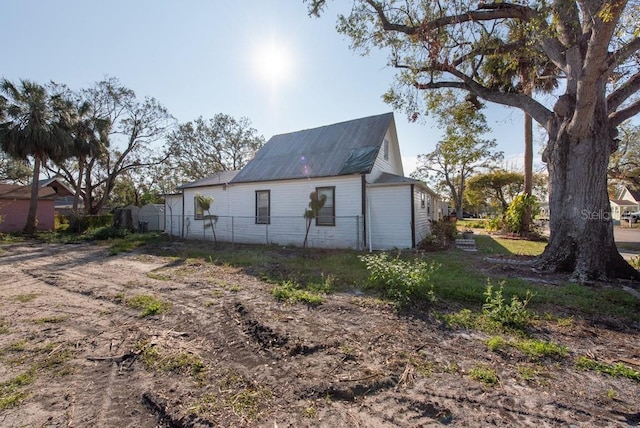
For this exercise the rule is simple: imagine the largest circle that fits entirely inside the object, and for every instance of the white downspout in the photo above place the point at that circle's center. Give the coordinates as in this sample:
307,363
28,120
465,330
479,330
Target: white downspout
368,223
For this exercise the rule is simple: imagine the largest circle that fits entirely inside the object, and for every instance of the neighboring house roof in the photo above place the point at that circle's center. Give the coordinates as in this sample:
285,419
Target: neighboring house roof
635,194
48,189
343,148
56,184
222,177
623,202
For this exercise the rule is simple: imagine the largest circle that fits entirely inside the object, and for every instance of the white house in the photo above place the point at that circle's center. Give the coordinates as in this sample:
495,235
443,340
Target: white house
356,165
627,201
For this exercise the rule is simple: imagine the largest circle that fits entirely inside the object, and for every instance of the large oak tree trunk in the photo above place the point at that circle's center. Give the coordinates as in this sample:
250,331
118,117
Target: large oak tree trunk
581,238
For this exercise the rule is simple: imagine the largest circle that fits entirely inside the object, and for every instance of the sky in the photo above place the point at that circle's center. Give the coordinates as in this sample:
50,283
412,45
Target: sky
265,60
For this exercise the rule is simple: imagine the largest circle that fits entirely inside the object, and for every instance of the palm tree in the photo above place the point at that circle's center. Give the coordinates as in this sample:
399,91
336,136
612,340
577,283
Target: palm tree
37,125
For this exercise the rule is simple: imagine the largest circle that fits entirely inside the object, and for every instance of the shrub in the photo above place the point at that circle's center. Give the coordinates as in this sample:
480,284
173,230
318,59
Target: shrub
109,232
443,233
82,224
514,217
61,223
401,280
495,224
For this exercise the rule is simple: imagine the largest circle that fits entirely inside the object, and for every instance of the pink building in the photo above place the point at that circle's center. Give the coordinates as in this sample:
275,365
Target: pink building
14,204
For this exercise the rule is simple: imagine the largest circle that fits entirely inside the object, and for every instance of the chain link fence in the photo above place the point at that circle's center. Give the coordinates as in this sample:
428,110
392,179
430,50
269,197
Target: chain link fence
282,230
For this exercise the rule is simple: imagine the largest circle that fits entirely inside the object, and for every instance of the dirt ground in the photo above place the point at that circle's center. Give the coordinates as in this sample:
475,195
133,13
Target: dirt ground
226,353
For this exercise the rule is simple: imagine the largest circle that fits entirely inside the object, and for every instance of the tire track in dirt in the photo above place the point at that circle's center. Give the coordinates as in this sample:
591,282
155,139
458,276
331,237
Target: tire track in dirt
101,393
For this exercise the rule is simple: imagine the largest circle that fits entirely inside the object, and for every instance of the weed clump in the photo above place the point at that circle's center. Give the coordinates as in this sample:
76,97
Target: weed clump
514,314
150,305
615,370
291,292
403,281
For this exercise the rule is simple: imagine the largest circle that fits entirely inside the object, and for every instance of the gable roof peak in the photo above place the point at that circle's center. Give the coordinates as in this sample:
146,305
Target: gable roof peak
342,148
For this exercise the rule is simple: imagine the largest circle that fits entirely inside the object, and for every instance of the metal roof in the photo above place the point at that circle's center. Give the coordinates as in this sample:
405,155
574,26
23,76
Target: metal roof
222,177
343,148
389,179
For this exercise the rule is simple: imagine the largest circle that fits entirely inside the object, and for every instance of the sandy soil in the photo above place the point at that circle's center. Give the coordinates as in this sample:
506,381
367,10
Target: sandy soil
227,354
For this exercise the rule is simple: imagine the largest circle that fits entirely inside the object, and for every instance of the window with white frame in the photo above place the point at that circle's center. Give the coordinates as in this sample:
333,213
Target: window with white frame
198,212
327,214
263,206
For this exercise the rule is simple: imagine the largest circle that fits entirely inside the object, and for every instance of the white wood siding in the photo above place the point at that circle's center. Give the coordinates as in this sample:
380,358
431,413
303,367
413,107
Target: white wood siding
393,165
199,229
235,208
422,215
389,217
173,215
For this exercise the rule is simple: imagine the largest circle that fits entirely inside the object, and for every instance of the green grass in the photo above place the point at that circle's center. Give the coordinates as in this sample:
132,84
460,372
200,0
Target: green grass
51,320
148,304
502,246
159,276
23,298
11,391
4,326
615,370
485,375
291,292
533,348
178,362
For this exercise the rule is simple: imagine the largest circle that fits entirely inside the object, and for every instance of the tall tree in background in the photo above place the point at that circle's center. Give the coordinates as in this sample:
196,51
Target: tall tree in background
14,170
35,125
206,146
499,187
461,152
625,163
594,45
127,129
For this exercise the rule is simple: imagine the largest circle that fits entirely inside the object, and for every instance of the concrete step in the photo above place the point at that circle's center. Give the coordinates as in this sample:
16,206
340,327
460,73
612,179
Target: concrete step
466,244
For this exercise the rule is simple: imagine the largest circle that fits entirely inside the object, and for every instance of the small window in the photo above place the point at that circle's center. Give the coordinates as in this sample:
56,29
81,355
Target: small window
263,206
327,215
385,149
423,201
197,210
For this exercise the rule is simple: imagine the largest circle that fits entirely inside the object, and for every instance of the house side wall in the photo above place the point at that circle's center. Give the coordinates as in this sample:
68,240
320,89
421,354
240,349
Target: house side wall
422,214
389,217
236,211
14,214
173,215
200,228
393,165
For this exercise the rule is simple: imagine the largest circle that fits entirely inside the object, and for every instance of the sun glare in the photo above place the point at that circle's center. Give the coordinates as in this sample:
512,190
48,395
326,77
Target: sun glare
273,62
